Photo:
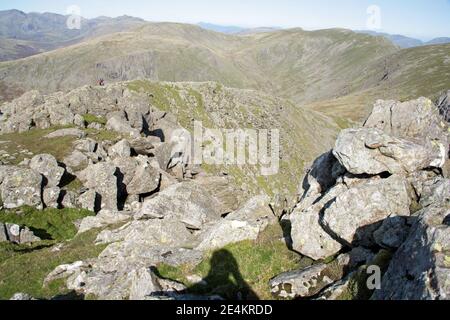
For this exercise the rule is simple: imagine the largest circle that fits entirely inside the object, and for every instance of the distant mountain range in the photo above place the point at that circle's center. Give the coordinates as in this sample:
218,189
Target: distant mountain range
25,34
406,42
397,39
235,29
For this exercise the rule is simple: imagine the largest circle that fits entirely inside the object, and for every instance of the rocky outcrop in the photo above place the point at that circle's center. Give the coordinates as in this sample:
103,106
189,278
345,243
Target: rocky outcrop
366,193
187,202
47,165
420,269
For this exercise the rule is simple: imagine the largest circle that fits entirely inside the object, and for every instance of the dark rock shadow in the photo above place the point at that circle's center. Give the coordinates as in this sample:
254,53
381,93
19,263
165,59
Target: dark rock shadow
71,296
158,133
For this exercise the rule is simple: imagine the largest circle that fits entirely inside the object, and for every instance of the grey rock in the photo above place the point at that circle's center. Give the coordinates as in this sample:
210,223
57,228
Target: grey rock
187,202
101,178
3,234
137,245
302,283
85,145
51,197
64,271
358,212
443,105
69,199
223,190
47,165
90,200
13,232
420,269
103,219
78,120
370,151
418,119
144,145
146,179
143,284
120,149
76,160
120,125
229,231
27,236
392,233
308,236
72,132
22,187
59,114
22,297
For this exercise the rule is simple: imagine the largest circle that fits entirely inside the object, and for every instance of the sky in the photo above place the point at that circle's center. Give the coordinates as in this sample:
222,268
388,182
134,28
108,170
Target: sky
424,19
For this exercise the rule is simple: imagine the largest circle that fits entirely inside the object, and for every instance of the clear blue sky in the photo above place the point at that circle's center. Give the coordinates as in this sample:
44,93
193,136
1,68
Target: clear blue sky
419,18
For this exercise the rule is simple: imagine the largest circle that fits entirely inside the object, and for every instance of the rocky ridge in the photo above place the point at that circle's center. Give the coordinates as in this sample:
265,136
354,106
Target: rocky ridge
379,198
382,191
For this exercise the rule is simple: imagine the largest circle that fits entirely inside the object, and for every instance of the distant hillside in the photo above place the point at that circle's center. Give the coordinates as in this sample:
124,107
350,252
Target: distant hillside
297,64
406,42
25,34
336,71
235,29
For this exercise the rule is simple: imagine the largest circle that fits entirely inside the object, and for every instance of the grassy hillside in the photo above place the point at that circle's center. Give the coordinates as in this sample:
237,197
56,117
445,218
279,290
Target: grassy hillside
295,64
304,134
335,71
403,75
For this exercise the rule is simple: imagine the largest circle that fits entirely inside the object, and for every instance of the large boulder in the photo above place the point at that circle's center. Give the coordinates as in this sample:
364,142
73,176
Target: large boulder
146,179
22,187
308,236
102,178
417,119
119,124
120,149
187,202
370,151
356,213
47,165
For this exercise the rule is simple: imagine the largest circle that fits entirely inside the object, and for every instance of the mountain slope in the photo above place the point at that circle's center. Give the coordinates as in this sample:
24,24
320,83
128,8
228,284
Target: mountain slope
403,75
23,35
336,71
294,63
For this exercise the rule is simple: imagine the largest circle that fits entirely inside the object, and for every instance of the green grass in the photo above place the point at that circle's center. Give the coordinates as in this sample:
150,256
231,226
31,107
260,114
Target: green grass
25,268
49,224
103,135
245,267
90,118
34,142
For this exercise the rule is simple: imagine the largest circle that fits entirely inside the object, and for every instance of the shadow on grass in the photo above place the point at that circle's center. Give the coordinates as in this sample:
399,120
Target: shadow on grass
224,279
